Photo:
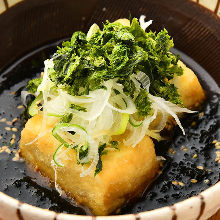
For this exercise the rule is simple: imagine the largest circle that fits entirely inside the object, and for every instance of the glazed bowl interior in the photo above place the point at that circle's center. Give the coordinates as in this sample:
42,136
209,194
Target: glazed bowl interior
32,24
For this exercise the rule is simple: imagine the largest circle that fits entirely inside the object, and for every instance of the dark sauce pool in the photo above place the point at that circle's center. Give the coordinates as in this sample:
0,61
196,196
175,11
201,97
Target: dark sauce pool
183,153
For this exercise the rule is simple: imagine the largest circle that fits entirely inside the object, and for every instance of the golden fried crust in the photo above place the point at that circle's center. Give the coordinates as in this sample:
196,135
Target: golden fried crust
189,88
125,172
191,94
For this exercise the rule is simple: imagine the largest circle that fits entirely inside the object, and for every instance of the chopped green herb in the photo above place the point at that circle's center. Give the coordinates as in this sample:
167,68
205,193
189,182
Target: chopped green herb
66,118
114,144
118,51
116,91
99,164
78,108
33,85
143,104
83,151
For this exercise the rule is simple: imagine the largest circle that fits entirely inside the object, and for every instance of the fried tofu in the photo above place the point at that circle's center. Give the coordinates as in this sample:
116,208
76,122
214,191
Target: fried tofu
126,172
189,88
191,94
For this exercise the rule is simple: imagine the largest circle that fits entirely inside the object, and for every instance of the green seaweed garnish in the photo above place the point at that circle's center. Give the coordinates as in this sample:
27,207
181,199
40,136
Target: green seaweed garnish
118,52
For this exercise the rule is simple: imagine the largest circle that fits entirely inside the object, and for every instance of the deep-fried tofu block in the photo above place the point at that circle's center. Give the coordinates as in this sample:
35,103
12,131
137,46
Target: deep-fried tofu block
125,172
191,94
189,88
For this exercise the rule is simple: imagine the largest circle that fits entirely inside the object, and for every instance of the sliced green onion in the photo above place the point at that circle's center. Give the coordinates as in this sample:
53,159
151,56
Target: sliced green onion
123,124
53,114
66,127
55,155
33,109
134,123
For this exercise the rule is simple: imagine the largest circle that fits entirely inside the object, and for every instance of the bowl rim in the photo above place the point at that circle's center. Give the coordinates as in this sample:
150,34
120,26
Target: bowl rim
201,206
